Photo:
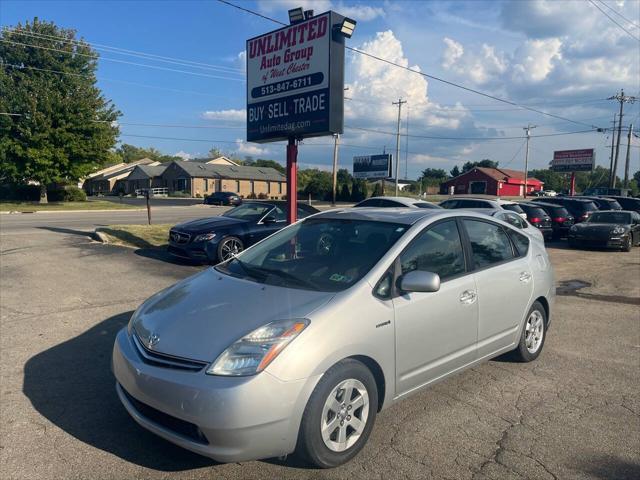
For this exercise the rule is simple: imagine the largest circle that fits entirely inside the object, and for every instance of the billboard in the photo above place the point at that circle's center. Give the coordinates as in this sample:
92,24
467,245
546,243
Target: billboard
372,166
295,81
573,160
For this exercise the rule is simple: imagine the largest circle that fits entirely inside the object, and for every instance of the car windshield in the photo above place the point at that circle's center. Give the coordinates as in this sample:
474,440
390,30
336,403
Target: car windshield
317,254
249,211
425,205
610,217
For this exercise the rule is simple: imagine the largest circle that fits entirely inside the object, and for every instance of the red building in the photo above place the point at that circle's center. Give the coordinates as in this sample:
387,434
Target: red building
490,181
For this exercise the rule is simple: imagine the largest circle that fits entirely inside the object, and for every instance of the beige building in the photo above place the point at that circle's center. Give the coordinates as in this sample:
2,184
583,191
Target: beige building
200,179
143,177
104,181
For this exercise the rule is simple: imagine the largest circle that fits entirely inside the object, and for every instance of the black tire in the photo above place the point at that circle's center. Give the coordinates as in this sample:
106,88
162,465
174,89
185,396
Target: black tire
522,353
224,243
311,445
628,245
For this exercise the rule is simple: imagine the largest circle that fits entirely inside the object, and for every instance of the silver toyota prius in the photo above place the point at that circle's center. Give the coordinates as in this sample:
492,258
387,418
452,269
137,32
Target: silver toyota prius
298,342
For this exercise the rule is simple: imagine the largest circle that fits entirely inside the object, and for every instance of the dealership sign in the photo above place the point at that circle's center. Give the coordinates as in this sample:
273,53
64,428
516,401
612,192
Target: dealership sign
295,81
372,166
573,160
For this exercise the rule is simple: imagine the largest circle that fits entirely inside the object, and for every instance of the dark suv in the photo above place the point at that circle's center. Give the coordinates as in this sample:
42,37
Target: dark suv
628,203
580,209
223,198
603,203
539,218
561,219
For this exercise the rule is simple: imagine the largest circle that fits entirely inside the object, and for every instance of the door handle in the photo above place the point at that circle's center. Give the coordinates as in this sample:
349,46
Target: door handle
525,277
468,297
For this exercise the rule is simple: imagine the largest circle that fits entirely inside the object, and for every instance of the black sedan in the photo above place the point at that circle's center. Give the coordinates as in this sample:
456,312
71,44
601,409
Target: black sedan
216,239
618,229
222,198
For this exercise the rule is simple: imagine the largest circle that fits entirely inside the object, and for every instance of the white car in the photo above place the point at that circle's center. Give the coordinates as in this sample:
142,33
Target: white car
550,193
395,202
474,203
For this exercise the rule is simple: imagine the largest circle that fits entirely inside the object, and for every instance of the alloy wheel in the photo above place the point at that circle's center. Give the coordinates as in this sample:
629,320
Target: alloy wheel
230,248
534,331
344,415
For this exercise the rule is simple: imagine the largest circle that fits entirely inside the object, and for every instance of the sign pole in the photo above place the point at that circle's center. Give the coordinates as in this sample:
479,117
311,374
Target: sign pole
292,177
572,187
336,139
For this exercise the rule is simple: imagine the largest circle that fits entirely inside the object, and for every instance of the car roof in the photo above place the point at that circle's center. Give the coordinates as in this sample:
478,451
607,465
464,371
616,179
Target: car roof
405,216
486,211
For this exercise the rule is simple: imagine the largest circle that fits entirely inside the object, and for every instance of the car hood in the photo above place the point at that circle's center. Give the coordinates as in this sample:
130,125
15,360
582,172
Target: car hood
201,316
207,224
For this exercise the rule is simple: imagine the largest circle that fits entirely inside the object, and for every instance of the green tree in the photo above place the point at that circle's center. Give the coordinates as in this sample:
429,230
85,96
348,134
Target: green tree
344,195
131,153
215,153
455,171
356,194
434,173
485,163
377,190
636,177
64,127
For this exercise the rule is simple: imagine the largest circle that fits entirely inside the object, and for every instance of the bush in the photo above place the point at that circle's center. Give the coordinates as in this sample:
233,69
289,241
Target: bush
198,195
66,194
263,196
20,192
179,194
252,196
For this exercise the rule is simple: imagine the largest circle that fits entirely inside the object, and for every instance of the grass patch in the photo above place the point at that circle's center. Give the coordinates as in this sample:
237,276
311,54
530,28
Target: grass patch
138,236
62,206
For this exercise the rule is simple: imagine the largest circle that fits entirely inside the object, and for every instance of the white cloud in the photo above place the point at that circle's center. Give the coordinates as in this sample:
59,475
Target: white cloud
244,148
481,66
231,115
184,155
376,84
535,59
360,12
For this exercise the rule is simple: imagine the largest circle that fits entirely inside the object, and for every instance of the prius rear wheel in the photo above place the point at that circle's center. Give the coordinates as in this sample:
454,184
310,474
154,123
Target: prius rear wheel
533,334
339,415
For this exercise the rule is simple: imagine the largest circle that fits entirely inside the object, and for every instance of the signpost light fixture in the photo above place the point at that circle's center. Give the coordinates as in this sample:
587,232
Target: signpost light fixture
347,27
296,15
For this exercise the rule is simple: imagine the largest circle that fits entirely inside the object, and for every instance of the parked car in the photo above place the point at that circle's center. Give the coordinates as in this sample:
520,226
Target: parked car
539,218
579,208
603,203
390,202
215,239
299,341
468,202
561,219
618,229
628,203
222,198
550,193
514,220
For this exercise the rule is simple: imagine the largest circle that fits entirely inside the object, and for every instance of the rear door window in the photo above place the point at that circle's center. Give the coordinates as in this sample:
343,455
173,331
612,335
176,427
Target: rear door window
389,203
489,243
369,203
449,204
520,241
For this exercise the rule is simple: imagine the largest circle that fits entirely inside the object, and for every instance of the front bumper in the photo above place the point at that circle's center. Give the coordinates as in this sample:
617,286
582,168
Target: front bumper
610,242
194,252
229,419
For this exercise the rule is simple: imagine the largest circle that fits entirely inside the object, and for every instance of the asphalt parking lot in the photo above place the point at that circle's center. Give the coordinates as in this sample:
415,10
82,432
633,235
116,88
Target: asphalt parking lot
572,414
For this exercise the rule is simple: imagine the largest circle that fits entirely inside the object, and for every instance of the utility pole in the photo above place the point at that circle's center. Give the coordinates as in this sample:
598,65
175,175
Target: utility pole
626,163
613,140
527,129
622,98
406,149
399,103
336,138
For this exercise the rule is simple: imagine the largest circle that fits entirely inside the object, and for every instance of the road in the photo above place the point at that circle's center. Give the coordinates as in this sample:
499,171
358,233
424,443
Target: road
572,414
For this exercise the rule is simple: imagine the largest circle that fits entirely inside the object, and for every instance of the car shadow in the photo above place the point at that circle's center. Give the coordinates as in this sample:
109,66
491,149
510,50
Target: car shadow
71,385
163,255
69,231
607,466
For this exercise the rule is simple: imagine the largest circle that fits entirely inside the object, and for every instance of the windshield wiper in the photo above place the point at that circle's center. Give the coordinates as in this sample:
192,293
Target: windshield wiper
287,276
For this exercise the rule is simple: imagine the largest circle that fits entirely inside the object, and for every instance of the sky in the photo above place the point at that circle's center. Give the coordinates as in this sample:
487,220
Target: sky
175,69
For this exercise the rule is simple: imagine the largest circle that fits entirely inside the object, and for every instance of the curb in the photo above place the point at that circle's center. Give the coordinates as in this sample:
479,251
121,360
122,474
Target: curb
98,236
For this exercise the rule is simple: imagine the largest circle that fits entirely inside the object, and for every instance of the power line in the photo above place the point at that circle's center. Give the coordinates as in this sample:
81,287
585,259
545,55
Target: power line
95,57
432,77
614,20
603,3
145,85
132,53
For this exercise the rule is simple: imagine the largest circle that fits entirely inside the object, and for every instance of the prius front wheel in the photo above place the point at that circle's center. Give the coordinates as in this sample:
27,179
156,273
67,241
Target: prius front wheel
339,415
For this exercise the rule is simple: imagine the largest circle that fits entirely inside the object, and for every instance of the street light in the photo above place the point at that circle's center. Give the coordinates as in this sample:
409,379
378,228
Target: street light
347,27
296,15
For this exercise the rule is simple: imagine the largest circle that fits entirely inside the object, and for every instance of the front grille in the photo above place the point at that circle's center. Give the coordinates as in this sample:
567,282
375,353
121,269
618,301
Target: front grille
166,361
171,423
179,238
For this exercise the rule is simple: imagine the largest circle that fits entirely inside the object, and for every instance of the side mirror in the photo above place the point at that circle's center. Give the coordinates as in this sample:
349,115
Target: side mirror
419,281
269,219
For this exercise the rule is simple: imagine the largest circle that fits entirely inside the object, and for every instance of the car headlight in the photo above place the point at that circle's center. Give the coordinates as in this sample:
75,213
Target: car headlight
573,228
618,230
133,319
255,351
204,237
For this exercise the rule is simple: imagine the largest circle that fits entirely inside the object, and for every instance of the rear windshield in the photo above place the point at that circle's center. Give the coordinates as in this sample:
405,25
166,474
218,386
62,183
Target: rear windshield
558,211
536,212
514,207
588,207
613,205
